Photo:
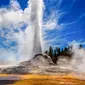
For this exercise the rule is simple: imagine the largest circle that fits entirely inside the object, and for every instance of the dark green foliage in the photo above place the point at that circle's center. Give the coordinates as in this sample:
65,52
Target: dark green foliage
46,52
55,57
58,51
50,52
62,51
80,46
66,49
55,53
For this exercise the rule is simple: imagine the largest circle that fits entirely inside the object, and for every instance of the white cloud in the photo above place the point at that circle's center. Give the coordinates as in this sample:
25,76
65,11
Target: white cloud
13,16
53,21
14,5
76,43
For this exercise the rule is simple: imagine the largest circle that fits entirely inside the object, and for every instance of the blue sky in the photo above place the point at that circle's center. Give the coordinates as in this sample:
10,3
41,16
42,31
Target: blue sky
73,19
64,23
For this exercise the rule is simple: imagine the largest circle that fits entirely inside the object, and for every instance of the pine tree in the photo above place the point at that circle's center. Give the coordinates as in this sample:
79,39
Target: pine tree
46,52
55,53
80,46
51,52
62,51
58,51
55,57
66,50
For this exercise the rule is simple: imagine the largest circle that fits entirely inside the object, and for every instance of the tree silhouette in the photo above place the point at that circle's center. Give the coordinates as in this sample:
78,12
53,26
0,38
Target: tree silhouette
55,57
65,49
57,52
51,52
80,46
46,52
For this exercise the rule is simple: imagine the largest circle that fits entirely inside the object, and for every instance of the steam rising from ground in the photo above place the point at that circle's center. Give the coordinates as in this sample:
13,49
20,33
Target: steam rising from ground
78,61
24,28
28,40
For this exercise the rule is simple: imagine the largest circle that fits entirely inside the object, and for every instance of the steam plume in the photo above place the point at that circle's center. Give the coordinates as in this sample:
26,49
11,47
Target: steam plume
36,15
78,61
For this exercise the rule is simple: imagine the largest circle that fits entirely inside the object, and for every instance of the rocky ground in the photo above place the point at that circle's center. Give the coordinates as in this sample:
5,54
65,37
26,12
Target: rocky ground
41,64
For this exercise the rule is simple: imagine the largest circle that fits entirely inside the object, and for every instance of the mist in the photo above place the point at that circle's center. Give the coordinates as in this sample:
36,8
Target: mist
29,40
78,59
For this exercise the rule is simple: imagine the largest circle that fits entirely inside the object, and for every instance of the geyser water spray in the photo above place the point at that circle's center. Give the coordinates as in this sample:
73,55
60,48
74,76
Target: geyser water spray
36,15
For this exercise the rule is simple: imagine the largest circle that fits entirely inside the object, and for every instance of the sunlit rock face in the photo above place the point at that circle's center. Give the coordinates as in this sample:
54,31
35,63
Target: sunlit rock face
39,64
36,14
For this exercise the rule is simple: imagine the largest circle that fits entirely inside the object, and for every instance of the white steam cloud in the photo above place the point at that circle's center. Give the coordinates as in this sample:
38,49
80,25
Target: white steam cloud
78,58
29,40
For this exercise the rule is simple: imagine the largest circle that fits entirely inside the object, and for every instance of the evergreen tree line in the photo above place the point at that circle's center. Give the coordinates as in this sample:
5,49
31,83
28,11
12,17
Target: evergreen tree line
57,52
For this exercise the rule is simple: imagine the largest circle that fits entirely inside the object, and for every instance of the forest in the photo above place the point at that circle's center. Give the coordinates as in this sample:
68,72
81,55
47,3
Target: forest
55,53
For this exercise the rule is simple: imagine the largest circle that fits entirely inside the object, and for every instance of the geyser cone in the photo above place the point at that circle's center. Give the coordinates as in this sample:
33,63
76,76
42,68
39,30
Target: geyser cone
36,10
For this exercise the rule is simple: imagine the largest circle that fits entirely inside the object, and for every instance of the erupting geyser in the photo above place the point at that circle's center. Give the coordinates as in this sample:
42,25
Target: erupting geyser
36,10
